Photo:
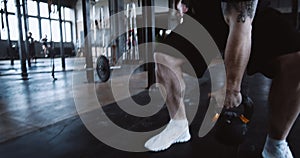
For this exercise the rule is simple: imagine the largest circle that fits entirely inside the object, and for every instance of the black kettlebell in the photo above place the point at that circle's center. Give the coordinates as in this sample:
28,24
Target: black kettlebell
231,126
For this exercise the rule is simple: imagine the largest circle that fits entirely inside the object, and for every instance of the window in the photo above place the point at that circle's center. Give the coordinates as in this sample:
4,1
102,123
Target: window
45,28
4,29
55,31
63,31
54,12
63,13
44,10
49,28
34,28
68,14
11,7
68,33
13,27
32,8
23,30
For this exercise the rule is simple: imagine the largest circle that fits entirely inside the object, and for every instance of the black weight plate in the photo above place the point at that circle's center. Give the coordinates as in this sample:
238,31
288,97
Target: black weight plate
102,68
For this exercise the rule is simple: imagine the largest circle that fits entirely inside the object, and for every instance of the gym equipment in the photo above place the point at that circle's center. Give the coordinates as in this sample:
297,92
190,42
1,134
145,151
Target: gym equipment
105,48
232,126
103,68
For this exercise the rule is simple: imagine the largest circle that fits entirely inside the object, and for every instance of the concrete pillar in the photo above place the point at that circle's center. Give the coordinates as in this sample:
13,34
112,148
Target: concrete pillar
149,20
8,35
117,25
87,41
22,54
171,4
25,19
39,19
62,52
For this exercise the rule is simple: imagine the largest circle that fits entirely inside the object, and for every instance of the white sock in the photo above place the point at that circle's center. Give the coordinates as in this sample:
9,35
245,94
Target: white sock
175,132
276,149
179,123
271,143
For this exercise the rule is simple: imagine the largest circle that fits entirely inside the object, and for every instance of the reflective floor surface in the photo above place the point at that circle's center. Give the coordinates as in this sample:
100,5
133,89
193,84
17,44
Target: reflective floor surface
38,117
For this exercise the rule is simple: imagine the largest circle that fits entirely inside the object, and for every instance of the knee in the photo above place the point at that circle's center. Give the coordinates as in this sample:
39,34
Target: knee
244,29
234,22
160,64
162,61
156,56
159,71
236,12
159,59
289,66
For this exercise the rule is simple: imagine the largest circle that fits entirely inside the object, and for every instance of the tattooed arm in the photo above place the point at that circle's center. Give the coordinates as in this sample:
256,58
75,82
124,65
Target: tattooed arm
239,16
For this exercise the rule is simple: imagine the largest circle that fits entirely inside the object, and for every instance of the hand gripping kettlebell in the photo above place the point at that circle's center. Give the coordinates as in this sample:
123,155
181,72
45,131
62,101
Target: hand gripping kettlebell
232,126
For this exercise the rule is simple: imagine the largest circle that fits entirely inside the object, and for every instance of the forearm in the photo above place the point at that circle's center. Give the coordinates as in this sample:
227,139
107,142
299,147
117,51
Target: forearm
239,17
237,54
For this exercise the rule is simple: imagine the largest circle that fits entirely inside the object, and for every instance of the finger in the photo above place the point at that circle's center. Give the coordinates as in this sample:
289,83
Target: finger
211,94
220,103
228,104
229,107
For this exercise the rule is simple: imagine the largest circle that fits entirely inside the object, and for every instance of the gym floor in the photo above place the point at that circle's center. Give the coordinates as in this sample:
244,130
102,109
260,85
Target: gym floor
38,118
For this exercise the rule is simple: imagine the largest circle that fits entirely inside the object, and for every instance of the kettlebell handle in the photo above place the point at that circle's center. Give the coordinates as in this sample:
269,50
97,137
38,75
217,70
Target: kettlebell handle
248,106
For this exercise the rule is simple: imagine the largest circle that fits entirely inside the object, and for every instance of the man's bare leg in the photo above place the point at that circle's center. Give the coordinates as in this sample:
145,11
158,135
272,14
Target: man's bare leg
284,100
169,75
239,16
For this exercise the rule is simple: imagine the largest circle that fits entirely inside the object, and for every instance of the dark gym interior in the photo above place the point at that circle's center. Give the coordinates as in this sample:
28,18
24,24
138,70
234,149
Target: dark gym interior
79,56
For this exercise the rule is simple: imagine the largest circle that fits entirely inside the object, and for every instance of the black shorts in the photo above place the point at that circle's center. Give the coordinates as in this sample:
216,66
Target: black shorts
183,50
272,36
